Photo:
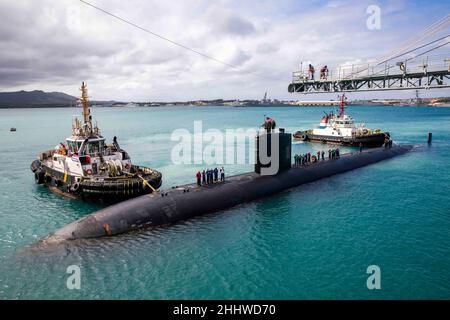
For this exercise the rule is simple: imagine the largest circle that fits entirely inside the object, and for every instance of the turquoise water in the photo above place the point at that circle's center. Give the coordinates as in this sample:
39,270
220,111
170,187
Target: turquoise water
312,242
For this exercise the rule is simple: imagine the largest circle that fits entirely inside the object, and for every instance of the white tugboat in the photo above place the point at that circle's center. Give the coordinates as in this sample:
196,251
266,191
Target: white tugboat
342,130
87,168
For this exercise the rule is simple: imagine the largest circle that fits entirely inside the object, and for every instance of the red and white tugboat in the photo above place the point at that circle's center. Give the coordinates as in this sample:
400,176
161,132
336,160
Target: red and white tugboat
342,130
87,168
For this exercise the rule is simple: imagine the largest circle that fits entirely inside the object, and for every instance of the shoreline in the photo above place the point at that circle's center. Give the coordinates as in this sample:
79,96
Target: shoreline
230,106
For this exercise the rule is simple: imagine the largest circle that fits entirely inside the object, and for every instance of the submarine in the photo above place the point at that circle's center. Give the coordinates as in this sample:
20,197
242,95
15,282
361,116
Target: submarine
190,200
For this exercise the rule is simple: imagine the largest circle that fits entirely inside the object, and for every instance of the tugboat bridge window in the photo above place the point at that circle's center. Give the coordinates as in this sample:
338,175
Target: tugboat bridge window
95,147
74,146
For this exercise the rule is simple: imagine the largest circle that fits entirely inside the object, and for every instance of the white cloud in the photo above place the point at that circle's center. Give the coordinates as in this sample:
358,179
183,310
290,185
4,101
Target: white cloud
224,21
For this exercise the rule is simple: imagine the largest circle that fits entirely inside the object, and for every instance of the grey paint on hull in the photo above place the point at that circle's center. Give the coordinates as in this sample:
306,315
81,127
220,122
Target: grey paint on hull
155,210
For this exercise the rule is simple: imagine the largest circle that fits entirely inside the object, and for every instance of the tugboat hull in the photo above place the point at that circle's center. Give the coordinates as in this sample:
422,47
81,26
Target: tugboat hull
110,189
372,140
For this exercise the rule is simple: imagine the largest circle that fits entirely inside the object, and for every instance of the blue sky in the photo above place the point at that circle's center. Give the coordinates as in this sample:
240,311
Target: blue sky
54,45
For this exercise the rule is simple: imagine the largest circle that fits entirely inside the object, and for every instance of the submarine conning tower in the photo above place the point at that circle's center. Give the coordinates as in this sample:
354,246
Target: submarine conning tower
272,175
273,152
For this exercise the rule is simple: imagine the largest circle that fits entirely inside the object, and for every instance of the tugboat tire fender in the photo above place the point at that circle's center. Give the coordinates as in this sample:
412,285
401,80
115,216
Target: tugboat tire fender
35,165
39,177
75,187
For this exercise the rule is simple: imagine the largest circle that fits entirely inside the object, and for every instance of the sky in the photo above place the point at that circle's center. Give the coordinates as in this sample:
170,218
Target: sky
55,45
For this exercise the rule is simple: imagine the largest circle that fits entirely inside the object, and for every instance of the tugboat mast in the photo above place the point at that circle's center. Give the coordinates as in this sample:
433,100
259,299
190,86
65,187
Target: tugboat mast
342,106
86,112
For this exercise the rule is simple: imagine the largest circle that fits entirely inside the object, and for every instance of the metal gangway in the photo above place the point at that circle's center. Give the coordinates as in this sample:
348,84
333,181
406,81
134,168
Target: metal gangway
429,72
417,64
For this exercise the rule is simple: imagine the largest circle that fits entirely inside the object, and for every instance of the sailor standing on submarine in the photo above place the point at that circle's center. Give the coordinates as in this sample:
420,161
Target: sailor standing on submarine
269,124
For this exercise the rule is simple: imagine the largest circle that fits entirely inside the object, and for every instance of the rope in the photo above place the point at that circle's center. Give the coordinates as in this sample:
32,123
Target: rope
172,41
146,183
427,32
420,47
406,47
409,59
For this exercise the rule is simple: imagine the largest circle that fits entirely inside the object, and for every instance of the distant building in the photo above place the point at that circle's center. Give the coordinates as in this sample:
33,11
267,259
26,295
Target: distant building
316,103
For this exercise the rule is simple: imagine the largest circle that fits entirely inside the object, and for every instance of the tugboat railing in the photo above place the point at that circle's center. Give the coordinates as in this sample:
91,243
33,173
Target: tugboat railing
46,154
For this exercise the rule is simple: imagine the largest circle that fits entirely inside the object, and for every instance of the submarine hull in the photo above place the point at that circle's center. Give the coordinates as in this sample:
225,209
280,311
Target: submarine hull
190,200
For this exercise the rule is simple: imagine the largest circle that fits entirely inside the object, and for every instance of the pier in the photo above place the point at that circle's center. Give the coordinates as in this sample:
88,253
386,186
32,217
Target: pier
428,73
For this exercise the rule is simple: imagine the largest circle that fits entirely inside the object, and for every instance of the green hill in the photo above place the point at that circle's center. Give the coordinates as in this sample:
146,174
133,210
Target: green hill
35,99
